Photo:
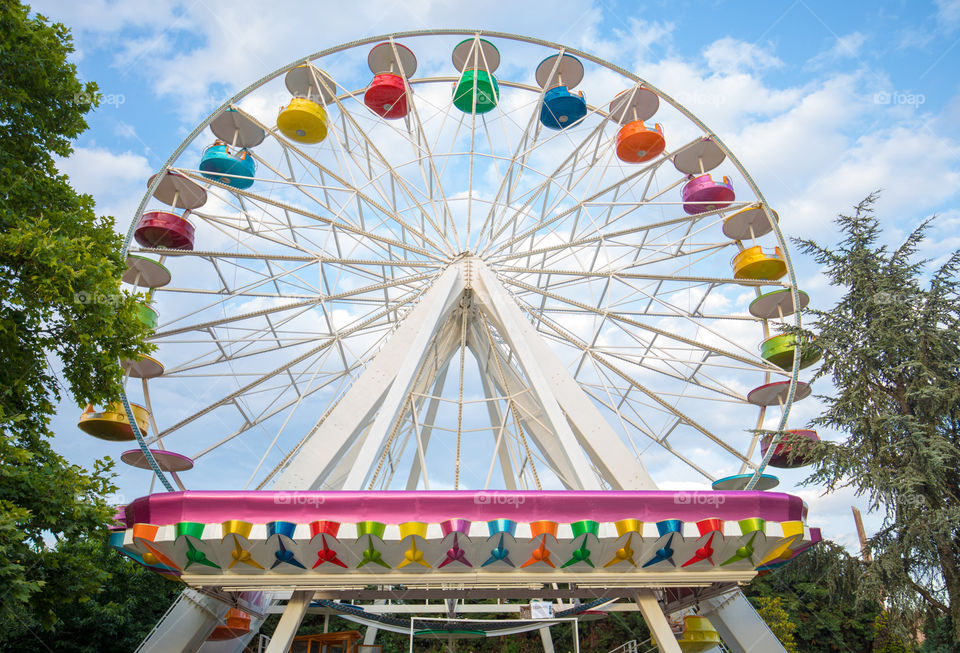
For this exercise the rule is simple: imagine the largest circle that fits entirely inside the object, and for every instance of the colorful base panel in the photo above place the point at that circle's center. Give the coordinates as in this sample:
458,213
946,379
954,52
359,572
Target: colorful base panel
223,164
144,367
111,423
775,394
781,454
168,461
739,481
303,121
164,229
561,108
749,223
435,507
319,533
702,194
144,272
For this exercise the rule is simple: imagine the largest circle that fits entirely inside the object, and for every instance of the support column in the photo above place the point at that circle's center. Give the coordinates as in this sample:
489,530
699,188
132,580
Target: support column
739,625
290,622
186,625
547,639
657,622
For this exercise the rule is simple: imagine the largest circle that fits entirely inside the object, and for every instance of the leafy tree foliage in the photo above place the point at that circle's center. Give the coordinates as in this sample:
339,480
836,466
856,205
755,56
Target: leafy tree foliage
892,347
53,249
771,609
114,616
818,591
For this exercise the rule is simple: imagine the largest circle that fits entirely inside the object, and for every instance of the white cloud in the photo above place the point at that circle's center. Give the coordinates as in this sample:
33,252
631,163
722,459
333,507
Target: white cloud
728,55
844,47
116,181
948,12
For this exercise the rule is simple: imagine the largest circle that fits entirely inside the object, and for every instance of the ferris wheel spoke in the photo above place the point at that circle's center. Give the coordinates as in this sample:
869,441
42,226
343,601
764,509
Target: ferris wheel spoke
594,238
628,321
664,444
621,274
546,219
760,363
317,300
674,370
334,224
396,178
668,407
421,144
339,377
240,346
324,344
344,184
568,166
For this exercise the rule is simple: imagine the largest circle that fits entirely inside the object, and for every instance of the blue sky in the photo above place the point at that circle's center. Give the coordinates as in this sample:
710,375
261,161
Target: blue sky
822,101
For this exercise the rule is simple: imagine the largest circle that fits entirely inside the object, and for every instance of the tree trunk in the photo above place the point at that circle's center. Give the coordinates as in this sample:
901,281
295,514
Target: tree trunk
951,576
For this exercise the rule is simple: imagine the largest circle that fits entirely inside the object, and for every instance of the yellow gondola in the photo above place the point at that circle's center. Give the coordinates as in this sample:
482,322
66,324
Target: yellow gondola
754,263
111,423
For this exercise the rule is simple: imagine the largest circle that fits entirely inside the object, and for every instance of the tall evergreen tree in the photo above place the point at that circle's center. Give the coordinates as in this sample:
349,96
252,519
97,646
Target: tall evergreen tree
892,348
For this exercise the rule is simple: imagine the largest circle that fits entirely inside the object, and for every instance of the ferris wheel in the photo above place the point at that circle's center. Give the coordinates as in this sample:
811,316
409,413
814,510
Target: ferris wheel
453,260
295,229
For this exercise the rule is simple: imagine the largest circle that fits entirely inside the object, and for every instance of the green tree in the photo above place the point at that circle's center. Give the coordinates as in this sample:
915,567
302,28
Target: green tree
116,615
53,249
892,348
771,609
818,591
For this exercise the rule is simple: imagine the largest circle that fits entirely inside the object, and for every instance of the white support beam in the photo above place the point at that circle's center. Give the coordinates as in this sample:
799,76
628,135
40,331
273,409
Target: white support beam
739,625
657,622
516,331
546,639
607,451
186,625
415,469
496,421
531,412
332,437
437,310
289,623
